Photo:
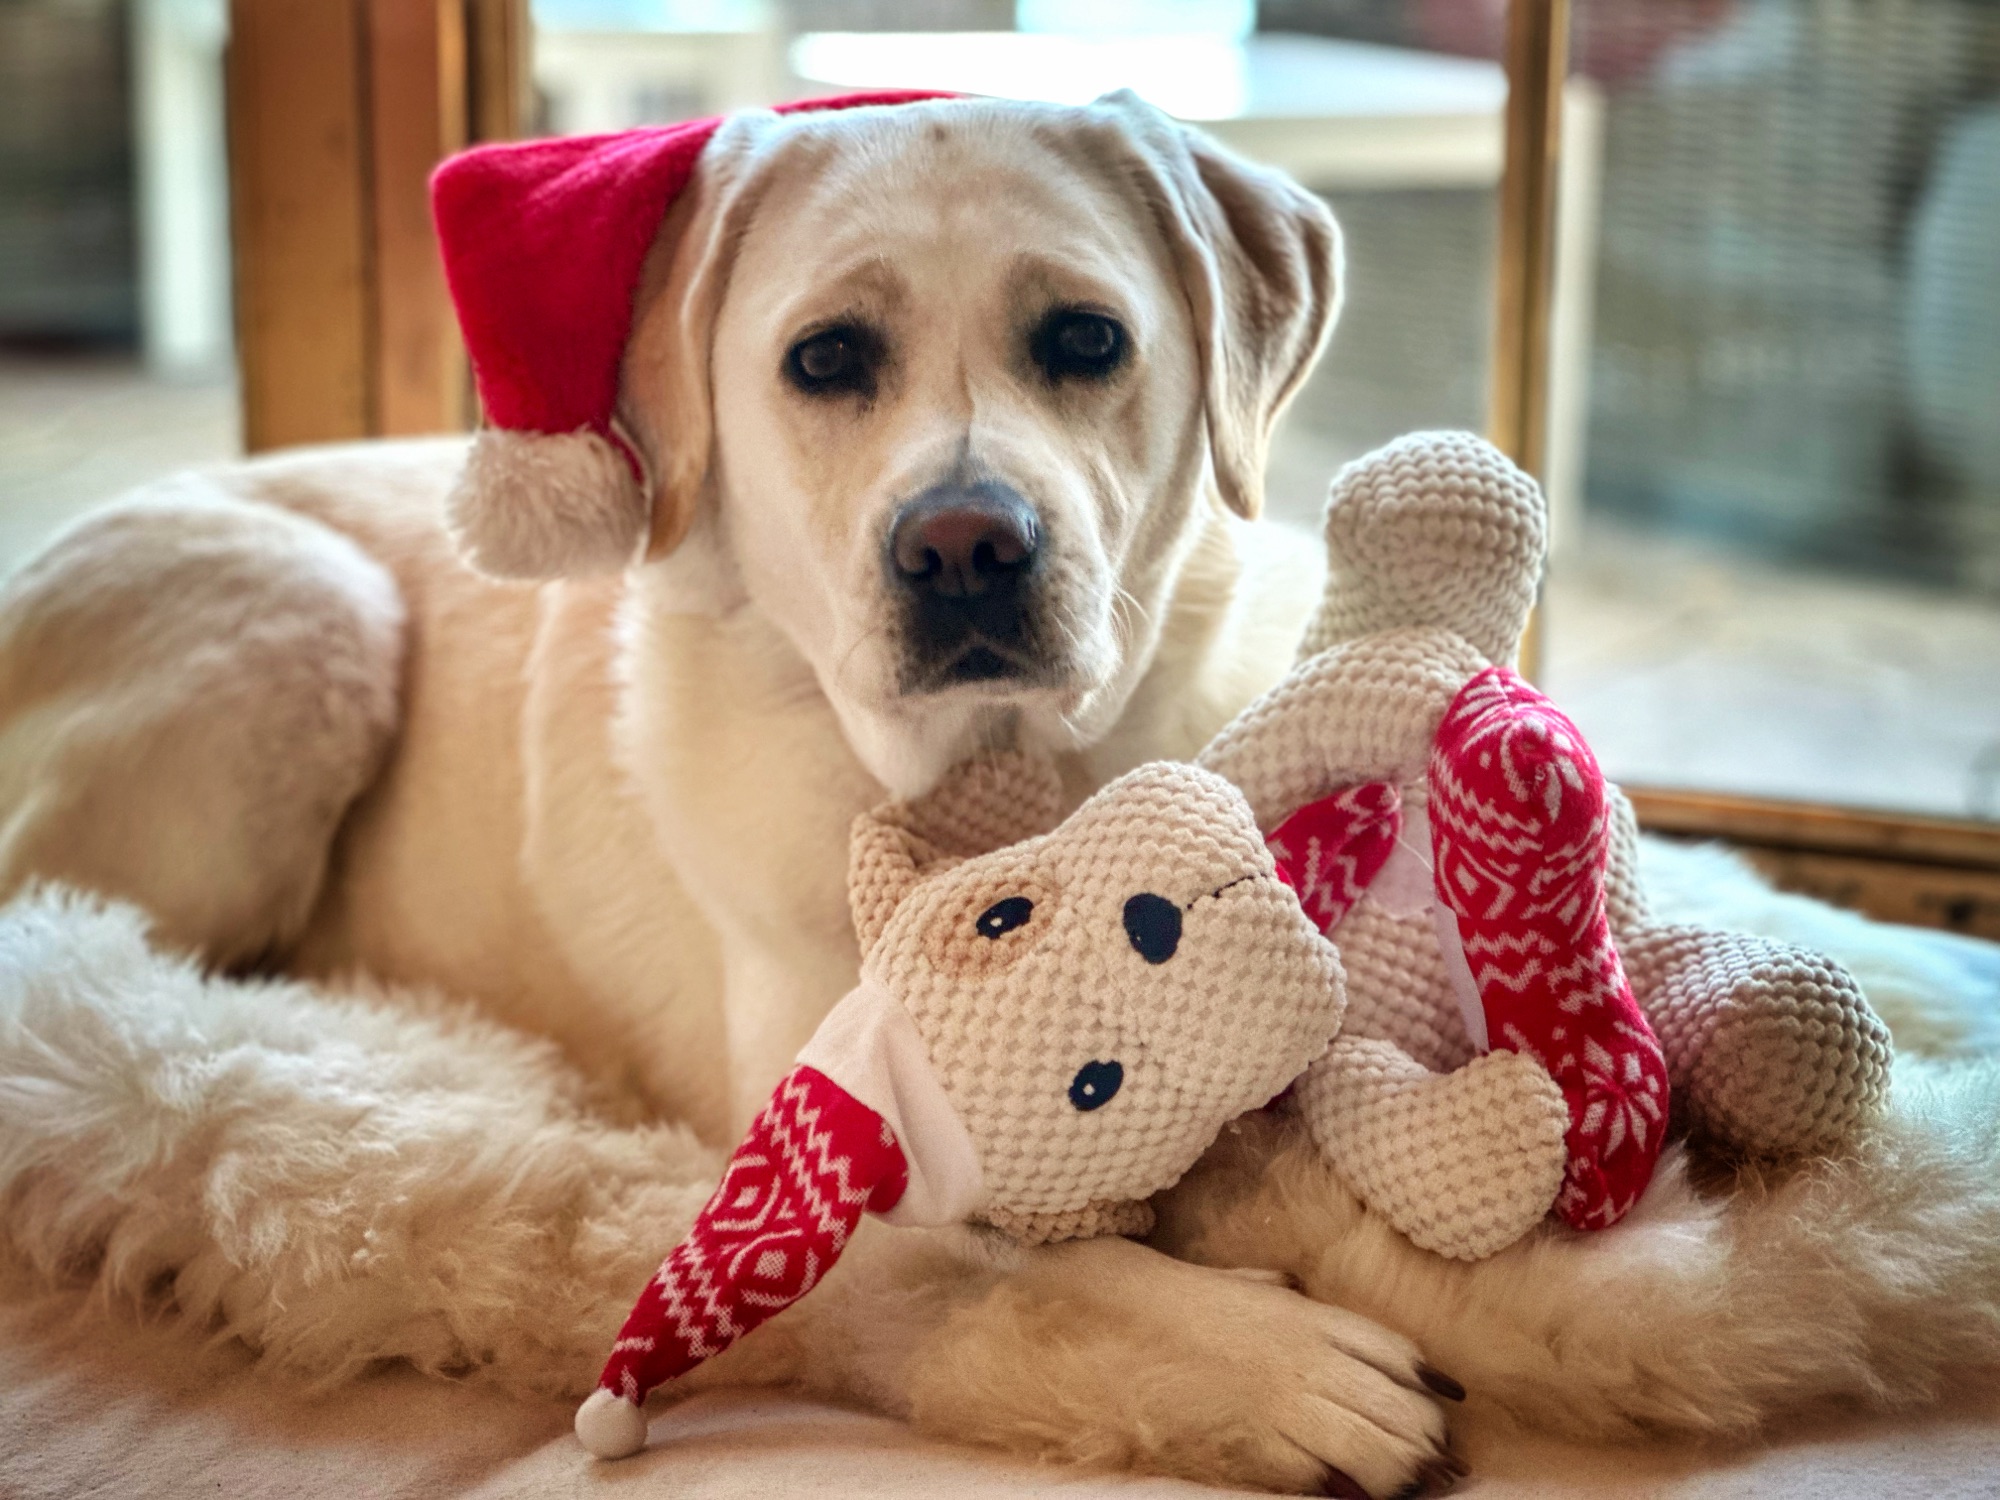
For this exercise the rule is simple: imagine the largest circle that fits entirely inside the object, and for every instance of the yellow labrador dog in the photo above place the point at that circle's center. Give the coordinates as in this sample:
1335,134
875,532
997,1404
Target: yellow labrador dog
962,439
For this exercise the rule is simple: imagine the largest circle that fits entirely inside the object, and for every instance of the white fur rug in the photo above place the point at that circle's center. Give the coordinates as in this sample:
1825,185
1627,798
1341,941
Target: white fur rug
339,1179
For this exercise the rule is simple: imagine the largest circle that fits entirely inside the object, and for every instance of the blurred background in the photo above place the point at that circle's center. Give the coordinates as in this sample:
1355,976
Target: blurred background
1774,443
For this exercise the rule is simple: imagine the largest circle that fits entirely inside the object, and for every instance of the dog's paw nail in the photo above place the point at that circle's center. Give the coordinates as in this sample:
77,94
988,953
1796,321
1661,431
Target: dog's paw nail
1437,1476
1441,1383
1342,1485
1440,1478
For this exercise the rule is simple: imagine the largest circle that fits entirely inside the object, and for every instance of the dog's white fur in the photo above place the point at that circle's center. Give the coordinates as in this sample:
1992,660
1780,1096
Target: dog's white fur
611,813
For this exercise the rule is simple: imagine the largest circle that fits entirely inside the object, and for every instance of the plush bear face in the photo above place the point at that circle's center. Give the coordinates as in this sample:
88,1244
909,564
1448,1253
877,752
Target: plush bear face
1099,1001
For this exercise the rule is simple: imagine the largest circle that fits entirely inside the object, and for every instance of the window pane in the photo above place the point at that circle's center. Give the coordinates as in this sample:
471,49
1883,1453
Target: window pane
115,345
1786,576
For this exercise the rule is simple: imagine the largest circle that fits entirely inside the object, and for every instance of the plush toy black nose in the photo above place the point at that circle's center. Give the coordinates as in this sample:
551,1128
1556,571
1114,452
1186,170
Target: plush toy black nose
1094,1084
1153,923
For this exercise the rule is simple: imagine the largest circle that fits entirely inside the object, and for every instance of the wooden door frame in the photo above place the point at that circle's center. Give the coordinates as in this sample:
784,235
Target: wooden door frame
337,112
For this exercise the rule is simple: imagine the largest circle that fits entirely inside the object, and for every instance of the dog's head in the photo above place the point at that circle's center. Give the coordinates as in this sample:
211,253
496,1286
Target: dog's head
945,390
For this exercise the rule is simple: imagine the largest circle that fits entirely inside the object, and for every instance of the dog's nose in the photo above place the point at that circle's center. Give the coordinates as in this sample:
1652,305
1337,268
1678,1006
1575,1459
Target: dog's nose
959,542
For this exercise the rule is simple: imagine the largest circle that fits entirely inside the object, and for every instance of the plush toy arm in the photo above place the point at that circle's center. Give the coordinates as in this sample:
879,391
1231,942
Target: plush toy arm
1462,1163
1366,711
1772,1051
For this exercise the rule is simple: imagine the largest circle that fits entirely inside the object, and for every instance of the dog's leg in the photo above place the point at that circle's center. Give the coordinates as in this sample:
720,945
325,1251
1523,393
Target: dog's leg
1870,1281
192,690
1109,1355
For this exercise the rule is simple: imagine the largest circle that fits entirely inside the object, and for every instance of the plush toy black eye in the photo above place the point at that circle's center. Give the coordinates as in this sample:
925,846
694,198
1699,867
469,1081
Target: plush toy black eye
1153,923
1074,344
835,361
1094,1084
1003,917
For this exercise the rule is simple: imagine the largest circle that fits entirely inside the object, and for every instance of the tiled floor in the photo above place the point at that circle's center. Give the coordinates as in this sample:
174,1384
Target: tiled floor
78,429
1687,667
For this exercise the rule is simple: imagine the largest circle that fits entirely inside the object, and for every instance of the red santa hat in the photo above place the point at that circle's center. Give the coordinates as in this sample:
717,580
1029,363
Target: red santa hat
543,242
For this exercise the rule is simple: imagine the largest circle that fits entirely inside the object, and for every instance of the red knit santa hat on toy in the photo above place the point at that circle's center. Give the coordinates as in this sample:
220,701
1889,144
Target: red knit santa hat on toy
814,1161
543,244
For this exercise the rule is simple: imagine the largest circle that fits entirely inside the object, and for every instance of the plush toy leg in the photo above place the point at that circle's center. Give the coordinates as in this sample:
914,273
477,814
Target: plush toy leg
1463,1163
815,1159
1519,826
1772,1051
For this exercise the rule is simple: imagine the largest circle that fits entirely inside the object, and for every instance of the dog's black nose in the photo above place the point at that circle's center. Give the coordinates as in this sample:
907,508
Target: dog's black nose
963,541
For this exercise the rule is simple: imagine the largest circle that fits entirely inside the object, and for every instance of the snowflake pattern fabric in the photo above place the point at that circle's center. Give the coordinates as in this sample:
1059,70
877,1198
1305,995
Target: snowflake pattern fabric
1520,832
1331,850
813,1162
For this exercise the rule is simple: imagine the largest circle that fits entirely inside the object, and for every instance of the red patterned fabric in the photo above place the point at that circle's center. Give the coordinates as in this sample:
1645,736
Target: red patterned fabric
814,1161
1330,850
1520,831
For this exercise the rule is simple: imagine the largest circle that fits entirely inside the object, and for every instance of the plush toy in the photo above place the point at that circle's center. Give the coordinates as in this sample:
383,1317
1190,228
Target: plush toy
1519,1034
1048,1032
1042,1037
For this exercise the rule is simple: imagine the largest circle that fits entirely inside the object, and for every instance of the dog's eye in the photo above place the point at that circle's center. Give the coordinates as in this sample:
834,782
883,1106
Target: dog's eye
1071,344
1003,917
1094,1084
1153,925
834,361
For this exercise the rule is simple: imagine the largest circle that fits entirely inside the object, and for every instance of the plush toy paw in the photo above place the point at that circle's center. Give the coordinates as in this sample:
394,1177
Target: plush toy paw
1776,1054
1462,1163
1520,832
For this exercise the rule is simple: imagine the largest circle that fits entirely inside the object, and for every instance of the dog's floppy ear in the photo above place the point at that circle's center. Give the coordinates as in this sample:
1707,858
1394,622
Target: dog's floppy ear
1259,259
664,397
978,806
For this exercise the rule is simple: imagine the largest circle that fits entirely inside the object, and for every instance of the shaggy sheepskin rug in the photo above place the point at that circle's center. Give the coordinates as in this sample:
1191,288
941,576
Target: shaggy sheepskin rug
340,1176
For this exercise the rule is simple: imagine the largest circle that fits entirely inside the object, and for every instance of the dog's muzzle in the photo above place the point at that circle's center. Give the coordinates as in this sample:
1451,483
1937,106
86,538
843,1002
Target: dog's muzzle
965,558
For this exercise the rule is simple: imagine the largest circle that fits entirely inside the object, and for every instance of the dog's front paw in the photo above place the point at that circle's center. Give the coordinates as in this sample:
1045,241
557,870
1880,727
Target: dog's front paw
1109,1355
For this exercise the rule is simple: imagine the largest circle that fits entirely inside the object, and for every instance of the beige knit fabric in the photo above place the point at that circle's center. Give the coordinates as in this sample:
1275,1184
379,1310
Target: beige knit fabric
1020,968
1463,1163
1437,529
1132,1217
1366,712
1435,546
1772,1051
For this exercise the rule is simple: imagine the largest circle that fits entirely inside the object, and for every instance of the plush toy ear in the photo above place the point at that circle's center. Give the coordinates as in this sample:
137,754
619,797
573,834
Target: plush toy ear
995,799
986,803
1259,259
886,860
